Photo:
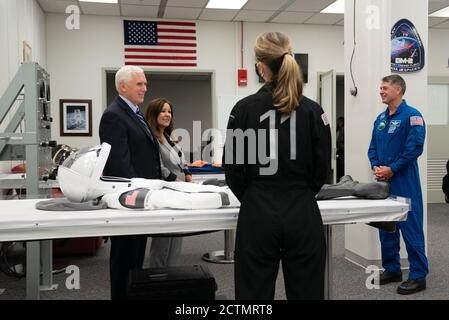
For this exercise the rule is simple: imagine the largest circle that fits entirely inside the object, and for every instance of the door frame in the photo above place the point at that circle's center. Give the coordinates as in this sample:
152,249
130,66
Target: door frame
171,71
174,71
436,161
333,119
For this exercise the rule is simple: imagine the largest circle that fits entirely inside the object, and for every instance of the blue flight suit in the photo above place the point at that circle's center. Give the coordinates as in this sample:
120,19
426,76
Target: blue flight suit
397,142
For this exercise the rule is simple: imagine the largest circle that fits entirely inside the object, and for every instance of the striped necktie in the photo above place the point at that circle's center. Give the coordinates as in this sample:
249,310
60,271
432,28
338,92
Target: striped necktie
144,122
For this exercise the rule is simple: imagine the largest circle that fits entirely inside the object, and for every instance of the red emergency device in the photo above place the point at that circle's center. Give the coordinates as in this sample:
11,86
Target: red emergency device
242,75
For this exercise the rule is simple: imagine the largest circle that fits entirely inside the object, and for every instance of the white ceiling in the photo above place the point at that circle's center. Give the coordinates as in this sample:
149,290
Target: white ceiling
278,11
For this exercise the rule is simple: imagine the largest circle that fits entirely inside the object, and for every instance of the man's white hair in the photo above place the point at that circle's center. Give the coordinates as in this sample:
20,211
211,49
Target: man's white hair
125,74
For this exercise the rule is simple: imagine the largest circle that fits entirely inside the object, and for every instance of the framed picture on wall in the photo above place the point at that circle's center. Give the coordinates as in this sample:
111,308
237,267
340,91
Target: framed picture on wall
75,117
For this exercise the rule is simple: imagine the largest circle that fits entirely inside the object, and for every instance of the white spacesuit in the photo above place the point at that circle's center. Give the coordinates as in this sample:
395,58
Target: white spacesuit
80,179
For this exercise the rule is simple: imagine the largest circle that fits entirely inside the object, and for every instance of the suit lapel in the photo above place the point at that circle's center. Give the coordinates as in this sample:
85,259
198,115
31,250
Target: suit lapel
133,116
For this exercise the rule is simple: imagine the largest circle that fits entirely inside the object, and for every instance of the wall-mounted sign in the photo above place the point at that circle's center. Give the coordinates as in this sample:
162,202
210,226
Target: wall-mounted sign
407,49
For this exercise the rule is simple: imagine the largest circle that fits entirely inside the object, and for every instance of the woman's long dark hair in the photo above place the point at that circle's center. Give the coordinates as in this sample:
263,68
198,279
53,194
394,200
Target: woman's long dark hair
153,111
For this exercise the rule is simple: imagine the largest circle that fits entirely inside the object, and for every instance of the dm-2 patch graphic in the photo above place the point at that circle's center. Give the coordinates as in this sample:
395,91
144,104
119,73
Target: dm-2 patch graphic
407,50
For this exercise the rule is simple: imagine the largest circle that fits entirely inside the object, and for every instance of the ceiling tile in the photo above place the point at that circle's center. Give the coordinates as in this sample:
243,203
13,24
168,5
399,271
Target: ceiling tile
435,5
139,11
218,14
253,15
434,21
325,18
300,11
56,6
187,4
141,2
292,17
181,13
309,6
442,24
101,9
264,4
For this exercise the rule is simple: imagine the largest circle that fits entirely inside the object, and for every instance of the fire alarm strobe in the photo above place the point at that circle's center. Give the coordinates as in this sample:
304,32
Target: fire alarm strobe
242,77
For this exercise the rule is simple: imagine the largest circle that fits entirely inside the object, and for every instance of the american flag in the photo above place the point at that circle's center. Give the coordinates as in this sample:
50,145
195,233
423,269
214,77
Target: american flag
131,196
164,44
416,121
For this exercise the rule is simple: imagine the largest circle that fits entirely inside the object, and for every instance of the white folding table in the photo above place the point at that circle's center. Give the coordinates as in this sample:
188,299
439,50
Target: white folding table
21,221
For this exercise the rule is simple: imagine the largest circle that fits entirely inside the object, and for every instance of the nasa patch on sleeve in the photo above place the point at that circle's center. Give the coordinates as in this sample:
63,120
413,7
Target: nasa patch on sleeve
325,119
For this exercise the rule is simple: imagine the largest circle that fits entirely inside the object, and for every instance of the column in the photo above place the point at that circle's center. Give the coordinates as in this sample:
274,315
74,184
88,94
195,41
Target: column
373,21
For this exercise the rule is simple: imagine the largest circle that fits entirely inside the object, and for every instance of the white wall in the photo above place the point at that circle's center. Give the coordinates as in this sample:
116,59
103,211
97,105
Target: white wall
324,44
76,58
20,20
437,54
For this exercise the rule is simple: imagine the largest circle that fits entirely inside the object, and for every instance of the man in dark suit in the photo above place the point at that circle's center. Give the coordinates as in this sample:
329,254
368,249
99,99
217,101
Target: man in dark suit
134,154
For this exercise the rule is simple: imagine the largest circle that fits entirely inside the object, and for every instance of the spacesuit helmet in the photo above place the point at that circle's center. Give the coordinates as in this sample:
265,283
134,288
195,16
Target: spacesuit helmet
79,175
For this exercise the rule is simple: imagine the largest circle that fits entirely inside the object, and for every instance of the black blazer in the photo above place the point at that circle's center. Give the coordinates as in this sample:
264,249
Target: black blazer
133,153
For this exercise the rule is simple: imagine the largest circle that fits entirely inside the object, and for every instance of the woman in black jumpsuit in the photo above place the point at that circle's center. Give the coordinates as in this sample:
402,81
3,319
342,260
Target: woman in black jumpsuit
277,157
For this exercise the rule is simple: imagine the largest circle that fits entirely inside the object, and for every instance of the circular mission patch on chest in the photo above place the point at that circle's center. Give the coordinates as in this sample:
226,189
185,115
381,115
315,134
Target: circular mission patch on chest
381,125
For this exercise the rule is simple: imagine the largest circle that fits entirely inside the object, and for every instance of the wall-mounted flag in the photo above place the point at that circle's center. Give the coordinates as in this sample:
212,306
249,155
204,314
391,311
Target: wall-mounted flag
160,43
407,49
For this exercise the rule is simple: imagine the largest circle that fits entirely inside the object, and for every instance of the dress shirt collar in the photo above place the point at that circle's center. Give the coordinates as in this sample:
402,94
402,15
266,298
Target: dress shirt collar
133,107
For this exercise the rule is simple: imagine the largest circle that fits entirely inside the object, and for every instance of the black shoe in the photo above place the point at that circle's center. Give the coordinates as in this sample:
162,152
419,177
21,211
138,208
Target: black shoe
387,277
411,286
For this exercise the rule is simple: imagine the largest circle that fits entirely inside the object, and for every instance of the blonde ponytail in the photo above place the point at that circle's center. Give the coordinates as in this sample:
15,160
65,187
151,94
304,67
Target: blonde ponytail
289,86
273,49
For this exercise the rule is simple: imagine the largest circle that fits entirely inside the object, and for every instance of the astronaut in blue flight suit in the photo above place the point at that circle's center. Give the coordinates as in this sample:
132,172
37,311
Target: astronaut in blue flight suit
397,142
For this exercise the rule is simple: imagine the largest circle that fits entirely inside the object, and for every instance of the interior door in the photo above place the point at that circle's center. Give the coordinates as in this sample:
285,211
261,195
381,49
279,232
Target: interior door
327,89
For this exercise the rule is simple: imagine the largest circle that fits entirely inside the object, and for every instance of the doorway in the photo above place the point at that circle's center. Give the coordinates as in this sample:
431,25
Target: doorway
339,128
192,97
437,120
331,96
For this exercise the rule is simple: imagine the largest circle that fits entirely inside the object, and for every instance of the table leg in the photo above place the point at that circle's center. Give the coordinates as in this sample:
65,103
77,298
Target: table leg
33,269
328,275
226,255
38,252
47,266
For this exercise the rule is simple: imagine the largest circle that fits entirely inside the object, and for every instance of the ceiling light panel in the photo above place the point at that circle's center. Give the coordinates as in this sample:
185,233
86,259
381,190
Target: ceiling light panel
226,4
336,7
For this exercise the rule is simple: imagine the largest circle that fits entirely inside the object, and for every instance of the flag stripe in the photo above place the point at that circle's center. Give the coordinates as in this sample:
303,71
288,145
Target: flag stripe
159,50
183,24
176,34
178,44
160,64
159,57
177,38
175,30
